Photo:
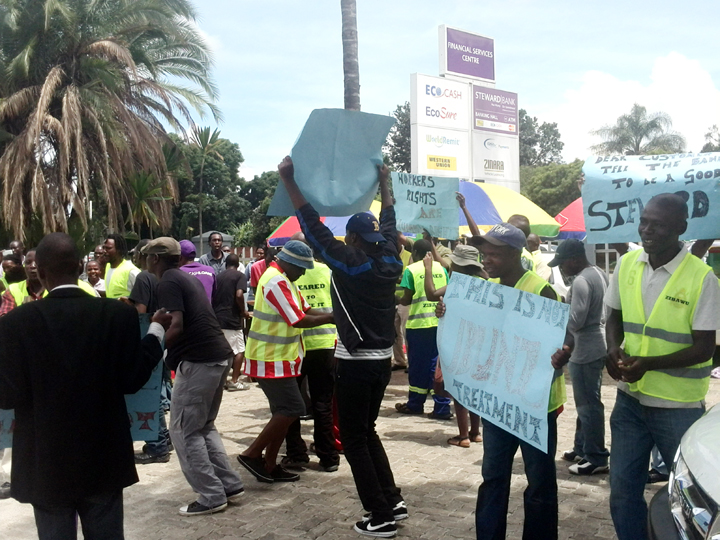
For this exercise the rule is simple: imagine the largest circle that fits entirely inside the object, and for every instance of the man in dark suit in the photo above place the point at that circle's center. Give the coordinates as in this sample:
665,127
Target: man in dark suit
65,363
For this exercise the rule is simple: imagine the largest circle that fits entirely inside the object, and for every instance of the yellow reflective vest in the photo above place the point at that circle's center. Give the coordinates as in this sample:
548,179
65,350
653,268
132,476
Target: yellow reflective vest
405,257
116,286
532,283
315,287
668,329
271,339
422,311
20,293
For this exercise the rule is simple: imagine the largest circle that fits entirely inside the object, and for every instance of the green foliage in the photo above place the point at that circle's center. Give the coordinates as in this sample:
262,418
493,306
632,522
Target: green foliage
639,133
87,89
259,193
224,206
540,144
552,187
396,153
712,140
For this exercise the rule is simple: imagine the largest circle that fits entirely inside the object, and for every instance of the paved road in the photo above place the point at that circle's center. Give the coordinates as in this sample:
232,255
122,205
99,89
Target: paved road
439,483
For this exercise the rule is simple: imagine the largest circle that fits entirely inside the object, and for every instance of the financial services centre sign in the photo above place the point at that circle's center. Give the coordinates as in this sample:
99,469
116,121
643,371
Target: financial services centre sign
461,126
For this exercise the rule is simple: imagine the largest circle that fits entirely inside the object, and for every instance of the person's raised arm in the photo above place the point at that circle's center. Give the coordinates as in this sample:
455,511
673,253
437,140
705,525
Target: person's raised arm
433,295
470,221
287,175
435,255
385,196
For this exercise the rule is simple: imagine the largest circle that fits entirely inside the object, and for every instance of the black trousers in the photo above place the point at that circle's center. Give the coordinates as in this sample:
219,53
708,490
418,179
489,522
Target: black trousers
360,386
101,517
318,367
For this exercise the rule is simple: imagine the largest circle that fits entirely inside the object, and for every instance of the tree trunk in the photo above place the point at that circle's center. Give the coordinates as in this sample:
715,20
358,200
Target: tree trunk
200,205
351,67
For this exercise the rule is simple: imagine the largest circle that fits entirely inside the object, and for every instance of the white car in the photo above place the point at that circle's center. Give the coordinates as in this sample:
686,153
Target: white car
689,508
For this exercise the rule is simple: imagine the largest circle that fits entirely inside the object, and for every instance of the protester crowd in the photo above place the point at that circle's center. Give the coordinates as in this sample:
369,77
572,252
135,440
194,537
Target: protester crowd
319,325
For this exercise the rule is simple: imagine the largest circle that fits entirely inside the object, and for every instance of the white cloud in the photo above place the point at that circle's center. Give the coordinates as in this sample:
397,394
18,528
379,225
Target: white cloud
248,172
677,85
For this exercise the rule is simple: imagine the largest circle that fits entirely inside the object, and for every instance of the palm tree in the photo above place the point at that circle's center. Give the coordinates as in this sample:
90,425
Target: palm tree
86,88
639,133
145,202
351,68
207,143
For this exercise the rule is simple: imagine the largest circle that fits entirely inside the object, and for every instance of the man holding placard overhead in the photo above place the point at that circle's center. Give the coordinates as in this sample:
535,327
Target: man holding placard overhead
664,305
365,270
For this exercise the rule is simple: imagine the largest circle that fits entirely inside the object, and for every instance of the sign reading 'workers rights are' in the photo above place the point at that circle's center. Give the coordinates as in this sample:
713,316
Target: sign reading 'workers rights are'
495,345
428,203
617,188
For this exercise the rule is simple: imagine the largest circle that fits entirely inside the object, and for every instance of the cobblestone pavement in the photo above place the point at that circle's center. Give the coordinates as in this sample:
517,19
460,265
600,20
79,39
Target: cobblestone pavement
439,483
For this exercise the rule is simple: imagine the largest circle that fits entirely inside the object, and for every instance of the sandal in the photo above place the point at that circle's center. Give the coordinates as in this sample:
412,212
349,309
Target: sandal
462,442
404,409
476,438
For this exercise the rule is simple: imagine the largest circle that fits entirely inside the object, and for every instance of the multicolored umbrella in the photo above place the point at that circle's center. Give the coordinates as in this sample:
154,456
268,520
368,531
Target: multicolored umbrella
490,204
290,226
572,221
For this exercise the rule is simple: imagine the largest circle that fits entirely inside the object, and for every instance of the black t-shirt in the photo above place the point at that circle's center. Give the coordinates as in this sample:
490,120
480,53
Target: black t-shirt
202,340
145,291
226,309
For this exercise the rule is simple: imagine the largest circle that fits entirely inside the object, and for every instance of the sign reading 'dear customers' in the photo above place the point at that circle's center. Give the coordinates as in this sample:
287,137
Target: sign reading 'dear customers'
426,203
617,188
495,345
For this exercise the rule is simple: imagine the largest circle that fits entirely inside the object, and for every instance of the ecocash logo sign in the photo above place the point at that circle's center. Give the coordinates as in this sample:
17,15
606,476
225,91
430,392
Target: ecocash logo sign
442,112
491,144
441,140
436,91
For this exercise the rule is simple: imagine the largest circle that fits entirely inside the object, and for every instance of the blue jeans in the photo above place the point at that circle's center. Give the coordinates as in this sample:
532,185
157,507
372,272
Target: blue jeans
635,428
159,447
590,428
422,357
540,497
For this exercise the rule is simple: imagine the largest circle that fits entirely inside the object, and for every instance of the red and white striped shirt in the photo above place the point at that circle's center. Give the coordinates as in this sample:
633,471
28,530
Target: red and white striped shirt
280,294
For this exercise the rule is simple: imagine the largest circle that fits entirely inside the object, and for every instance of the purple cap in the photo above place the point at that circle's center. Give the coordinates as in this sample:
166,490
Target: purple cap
187,249
504,234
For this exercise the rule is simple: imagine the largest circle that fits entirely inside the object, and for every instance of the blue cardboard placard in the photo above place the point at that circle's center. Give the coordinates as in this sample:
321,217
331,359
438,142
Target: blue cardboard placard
425,202
495,345
617,188
7,424
143,406
336,158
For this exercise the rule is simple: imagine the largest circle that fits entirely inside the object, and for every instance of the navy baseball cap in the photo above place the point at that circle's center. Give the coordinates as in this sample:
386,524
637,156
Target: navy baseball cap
367,226
569,249
297,253
504,234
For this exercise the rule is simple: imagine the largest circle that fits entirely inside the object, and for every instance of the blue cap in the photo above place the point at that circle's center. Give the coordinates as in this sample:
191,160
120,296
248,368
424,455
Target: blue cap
367,226
504,234
297,253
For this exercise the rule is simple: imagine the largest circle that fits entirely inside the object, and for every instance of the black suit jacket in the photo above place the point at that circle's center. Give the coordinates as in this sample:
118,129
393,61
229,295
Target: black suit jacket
65,363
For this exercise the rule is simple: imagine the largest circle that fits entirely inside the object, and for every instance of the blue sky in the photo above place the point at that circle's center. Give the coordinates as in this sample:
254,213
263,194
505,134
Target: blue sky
580,64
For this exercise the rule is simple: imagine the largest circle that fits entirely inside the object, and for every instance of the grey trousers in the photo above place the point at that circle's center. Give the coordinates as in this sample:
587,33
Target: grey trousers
590,426
194,406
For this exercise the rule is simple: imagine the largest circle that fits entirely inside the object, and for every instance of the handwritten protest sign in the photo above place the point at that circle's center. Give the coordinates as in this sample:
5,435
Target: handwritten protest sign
426,202
617,188
495,345
336,159
7,424
143,406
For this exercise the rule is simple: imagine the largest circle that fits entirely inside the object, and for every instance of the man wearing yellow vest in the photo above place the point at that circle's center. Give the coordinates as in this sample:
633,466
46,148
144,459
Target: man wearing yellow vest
664,304
421,332
501,248
274,354
25,291
318,367
120,273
